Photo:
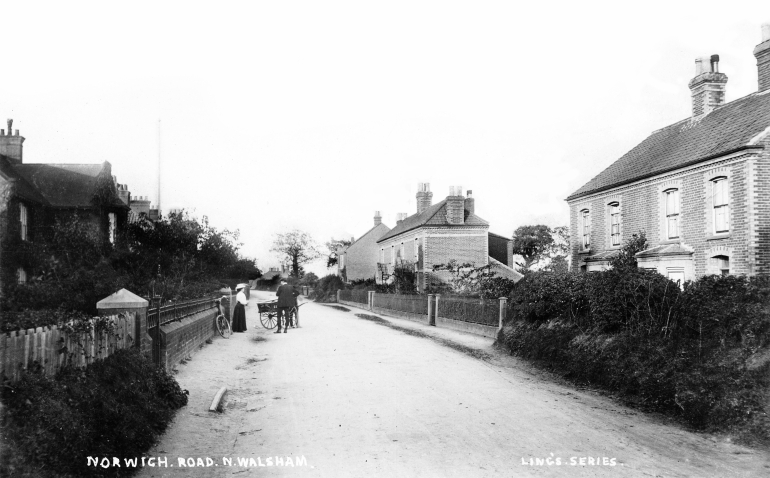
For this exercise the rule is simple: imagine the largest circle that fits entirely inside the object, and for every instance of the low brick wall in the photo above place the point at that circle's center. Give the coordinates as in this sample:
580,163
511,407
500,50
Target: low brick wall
470,327
421,318
183,338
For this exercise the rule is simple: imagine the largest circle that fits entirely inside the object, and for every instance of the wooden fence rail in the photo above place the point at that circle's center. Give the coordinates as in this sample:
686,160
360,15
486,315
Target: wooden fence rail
53,348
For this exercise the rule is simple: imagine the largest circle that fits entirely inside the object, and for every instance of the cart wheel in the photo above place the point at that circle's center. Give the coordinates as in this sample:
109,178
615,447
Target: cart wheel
268,320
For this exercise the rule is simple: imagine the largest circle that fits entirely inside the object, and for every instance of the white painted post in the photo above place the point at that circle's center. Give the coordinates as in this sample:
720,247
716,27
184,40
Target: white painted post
430,309
503,301
338,296
370,300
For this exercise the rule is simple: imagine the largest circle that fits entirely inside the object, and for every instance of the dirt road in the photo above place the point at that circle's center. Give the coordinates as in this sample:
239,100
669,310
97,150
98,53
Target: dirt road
342,396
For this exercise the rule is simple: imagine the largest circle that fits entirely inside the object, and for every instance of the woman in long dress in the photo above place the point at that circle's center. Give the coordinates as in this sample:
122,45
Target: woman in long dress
239,315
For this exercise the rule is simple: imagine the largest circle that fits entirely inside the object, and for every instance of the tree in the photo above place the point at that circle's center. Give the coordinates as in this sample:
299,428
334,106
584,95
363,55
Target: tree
558,252
297,247
626,257
542,248
334,247
531,242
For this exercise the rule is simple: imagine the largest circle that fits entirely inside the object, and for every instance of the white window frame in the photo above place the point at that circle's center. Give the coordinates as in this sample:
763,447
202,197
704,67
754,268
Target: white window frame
615,223
24,221
416,250
720,190
21,275
672,213
113,226
382,255
585,228
393,254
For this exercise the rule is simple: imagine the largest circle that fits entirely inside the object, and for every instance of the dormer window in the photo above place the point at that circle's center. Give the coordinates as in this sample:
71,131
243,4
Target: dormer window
672,213
721,205
23,219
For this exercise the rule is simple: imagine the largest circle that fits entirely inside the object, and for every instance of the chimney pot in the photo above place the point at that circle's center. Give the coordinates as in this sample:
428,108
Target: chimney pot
424,197
11,146
708,87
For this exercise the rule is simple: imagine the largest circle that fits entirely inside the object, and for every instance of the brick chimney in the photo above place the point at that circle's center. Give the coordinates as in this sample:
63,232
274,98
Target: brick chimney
455,205
11,145
762,53
708,86
377,218
424,197
124,194
470,203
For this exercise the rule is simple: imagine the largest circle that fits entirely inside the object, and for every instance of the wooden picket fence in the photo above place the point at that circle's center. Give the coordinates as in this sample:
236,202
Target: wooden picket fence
53,348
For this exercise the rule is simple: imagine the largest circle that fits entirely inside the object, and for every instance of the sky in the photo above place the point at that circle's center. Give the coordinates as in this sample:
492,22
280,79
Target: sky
312,115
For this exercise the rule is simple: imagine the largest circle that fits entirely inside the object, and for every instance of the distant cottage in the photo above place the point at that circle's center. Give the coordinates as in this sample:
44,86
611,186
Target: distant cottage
439,233
358,261
698,188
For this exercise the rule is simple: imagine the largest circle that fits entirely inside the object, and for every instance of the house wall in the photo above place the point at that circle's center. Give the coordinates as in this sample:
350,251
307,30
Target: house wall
498,249
361,257
642,206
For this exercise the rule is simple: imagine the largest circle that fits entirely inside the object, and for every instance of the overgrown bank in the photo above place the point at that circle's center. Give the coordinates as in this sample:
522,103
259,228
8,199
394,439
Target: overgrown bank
116,407
701,354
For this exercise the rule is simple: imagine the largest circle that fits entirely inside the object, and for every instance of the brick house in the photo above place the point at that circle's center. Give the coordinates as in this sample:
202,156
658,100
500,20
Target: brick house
699,188
441,232
358,261
33,196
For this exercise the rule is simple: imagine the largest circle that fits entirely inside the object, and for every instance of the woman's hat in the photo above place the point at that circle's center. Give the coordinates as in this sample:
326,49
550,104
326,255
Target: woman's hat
240,286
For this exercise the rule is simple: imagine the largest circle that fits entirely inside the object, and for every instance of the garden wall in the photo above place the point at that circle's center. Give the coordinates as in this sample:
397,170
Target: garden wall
181,339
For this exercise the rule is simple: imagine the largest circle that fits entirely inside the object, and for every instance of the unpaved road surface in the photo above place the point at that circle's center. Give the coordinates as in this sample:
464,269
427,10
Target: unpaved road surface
345,397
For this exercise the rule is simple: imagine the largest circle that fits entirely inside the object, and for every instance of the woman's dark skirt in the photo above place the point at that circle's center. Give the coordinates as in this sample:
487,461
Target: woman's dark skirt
239,318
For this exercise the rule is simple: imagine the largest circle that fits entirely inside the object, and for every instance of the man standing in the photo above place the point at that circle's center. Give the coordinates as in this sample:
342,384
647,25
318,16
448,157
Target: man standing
287,298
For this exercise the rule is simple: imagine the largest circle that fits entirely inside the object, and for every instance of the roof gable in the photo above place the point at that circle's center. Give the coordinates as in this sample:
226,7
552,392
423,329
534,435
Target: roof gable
373,234
434,216
729,128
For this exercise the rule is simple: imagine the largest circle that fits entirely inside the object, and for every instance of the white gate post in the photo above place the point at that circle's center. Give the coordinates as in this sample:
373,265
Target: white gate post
503,301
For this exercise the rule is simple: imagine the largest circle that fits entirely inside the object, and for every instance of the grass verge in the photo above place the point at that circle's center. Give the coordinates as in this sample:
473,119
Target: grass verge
479,354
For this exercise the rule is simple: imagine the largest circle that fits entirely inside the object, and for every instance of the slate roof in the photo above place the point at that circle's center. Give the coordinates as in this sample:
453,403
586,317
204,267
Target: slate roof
23,188
378,226
727,129
68,185
434,216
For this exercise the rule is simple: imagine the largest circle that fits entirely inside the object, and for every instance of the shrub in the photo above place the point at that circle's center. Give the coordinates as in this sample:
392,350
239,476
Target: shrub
701,353
326,290
115,407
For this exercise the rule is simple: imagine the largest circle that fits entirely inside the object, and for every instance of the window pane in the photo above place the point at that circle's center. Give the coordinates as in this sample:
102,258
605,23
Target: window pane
673,227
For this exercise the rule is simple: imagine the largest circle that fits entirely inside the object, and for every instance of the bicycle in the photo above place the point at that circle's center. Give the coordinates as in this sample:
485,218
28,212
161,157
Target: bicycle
223,325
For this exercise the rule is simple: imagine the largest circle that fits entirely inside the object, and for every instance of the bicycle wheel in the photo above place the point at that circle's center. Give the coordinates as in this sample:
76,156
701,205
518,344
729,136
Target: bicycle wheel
223,326
268,320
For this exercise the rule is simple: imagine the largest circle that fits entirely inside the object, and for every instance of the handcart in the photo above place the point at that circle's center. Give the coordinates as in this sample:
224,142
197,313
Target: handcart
268,313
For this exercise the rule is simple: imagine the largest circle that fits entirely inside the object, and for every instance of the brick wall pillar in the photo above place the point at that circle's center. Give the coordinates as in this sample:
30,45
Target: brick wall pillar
431,319
124,301
503,302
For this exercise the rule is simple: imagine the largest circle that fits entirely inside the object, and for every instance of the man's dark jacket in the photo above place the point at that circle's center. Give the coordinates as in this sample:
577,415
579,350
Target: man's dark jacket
287,296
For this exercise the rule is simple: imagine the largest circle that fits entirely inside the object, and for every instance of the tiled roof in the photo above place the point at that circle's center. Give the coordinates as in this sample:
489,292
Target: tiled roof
434,216
727,129
67,185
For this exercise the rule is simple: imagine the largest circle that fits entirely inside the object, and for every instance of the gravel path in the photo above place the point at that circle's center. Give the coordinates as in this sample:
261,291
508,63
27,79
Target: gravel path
342,396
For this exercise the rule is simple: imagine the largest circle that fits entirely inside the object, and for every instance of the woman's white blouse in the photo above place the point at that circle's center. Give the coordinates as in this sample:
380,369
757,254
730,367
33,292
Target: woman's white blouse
241,298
